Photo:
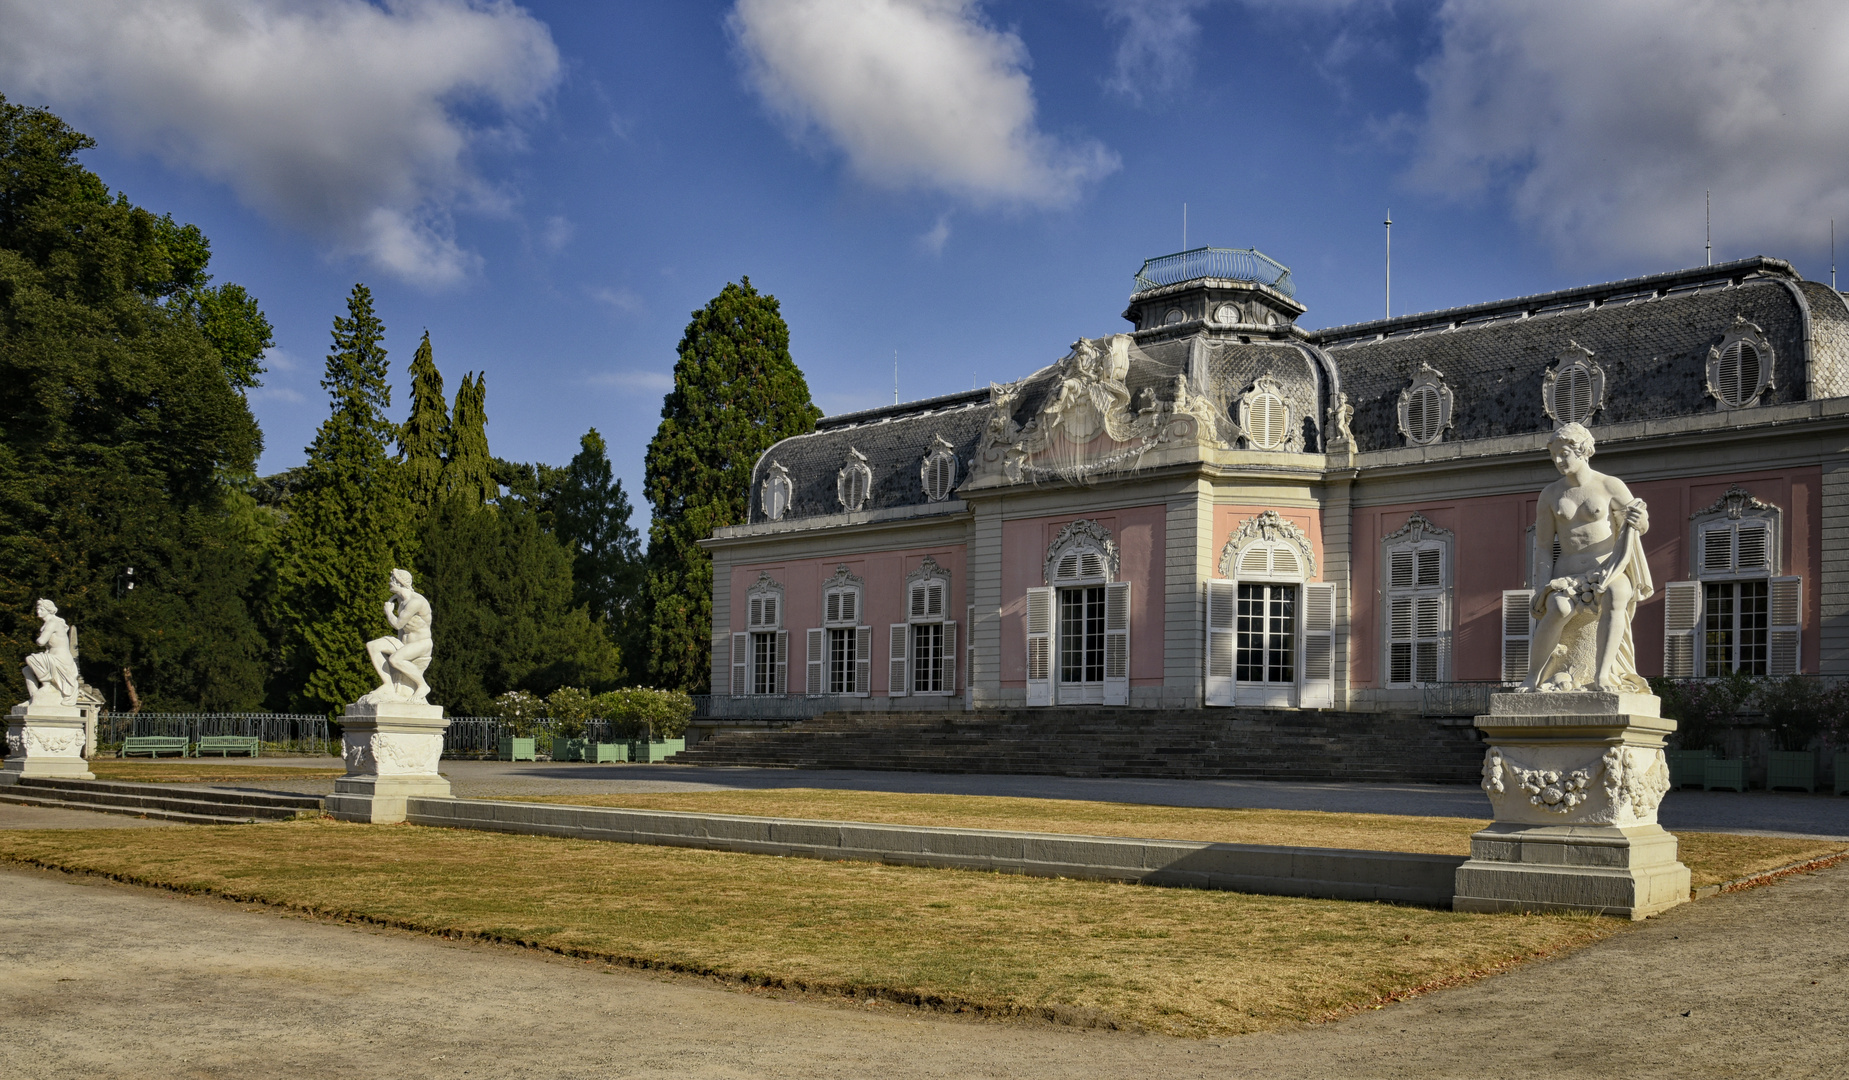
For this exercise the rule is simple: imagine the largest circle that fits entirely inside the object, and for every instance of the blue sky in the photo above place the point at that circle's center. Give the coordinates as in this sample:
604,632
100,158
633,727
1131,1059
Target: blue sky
551,188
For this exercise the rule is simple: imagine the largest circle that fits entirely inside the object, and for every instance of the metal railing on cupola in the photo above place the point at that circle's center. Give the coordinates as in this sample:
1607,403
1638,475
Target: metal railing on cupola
1231,264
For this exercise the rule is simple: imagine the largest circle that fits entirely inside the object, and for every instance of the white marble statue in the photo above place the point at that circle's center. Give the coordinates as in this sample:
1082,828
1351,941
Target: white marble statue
402,660
51,676
1592,591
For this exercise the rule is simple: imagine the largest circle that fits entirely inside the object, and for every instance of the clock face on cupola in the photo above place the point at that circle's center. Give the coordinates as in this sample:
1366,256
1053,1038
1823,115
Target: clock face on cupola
1219,291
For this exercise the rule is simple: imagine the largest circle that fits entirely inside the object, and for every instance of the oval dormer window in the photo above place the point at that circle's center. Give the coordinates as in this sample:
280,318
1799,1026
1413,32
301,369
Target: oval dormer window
1227,314
1174,316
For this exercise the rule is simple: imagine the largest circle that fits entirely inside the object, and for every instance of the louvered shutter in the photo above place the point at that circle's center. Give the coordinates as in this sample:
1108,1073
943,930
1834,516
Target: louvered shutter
863,660
850,607
1117,643
934,600
818,656
781,680
756,617
741,664
1681,622
1255,561
1431,568
898,671
969,660
1717,549
1400,618
918,601
1785,624
1429,626
832,609
1222,636
1318,646
1402,569
1750,548
1039,646
1517,632
949,660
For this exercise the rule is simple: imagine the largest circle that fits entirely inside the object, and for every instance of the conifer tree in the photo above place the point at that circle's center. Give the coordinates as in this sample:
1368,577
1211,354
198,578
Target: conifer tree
469,471
349,523
591,516
736,391
425,440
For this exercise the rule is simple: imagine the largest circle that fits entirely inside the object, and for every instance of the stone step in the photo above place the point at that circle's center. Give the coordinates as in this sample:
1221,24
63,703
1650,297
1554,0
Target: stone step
167,801
14,795
226,796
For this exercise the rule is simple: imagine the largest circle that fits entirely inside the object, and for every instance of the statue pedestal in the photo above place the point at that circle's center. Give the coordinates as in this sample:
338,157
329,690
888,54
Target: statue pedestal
1575,779
392,752
45,740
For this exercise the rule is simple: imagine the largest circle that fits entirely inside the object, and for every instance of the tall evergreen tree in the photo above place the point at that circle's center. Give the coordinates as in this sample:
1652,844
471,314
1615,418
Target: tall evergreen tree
120,426
424,442
348,525
591,517
736,391
469,471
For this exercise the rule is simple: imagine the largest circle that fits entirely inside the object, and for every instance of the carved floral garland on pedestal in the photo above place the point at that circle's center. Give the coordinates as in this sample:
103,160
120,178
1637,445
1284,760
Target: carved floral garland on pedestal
1635,779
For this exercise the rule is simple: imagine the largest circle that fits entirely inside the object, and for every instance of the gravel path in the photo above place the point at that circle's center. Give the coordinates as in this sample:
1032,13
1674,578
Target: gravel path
105,980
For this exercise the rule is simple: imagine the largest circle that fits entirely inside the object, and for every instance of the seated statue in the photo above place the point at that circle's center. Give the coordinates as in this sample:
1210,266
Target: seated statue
402,660
51,676
1592,591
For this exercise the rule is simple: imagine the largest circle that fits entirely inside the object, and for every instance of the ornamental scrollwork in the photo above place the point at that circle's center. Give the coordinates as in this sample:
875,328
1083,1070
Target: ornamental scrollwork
1083,533
1266,527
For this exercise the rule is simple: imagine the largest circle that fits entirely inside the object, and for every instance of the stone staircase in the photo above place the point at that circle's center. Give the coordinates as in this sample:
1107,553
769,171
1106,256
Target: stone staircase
1255,744
166,802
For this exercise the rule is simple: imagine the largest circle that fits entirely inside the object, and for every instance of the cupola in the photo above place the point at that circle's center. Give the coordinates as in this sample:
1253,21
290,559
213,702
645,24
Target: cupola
1231,291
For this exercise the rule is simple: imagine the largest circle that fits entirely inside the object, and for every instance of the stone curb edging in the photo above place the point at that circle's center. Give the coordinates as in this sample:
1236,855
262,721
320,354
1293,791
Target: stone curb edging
1767,876
1323,873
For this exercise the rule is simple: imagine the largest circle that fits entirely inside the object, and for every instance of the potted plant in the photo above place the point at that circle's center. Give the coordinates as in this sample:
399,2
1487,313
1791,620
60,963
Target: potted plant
519,712
1797,710
1703,709
655,721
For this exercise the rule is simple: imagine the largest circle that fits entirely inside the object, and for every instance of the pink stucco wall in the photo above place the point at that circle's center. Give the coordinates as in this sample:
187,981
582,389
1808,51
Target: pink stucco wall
1141,533
1490,556
883,596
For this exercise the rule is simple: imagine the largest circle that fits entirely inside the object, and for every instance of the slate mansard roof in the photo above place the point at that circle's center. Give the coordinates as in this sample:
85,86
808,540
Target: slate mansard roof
1651,336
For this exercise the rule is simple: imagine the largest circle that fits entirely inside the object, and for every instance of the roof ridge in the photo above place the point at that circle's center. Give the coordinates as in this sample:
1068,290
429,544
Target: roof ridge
893,412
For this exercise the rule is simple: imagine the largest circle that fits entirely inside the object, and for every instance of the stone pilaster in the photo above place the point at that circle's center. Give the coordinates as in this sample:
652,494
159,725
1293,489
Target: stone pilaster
392,751
45,740
1338,566
985,576
1574,779
1833,618
1184,601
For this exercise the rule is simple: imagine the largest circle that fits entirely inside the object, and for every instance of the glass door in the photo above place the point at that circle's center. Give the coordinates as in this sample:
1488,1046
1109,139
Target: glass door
1265,645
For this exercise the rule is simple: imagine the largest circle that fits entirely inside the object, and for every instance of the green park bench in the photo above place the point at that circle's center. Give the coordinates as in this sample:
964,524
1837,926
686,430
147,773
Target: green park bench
226,745
154,745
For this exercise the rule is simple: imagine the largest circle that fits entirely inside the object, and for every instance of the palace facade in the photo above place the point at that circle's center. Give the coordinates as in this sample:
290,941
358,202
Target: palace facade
1218,507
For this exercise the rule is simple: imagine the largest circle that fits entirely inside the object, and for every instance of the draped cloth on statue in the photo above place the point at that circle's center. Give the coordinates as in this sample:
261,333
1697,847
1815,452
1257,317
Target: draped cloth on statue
1578,650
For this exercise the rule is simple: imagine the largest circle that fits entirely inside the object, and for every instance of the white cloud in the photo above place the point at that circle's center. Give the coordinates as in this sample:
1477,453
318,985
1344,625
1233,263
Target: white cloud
287,394
336,117
626,301
661,381
1155,55
1605,121
934,238
916,94
557,232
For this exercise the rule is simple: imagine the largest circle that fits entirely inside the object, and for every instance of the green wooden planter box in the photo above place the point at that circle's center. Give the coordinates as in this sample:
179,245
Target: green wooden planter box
601,752
1687,767
1724,774
1842,772
1791,769
518,749
659,750
564,749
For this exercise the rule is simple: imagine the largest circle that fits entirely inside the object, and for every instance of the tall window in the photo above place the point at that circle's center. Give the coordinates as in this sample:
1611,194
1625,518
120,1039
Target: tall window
1267,642
1416,596
1270,629
924,647
839,649
1735,631
760,654
1081,634
1738,615
1078,626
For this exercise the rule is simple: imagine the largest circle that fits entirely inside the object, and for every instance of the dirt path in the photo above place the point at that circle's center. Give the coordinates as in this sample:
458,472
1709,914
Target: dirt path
107,980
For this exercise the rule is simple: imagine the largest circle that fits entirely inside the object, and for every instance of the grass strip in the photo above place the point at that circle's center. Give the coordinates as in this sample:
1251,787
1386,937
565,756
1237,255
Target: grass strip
1712,858
1181,961
190,772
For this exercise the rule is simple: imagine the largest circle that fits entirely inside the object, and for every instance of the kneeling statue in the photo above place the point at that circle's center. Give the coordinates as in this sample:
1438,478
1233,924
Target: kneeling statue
1592,591
51,676
401,661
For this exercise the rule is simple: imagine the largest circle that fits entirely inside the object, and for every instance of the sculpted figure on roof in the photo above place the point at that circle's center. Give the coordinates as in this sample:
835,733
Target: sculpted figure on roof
1592,591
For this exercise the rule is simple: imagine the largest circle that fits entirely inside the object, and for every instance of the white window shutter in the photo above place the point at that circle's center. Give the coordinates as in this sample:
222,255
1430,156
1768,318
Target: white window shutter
781,684
850,607
1517,632
1117,643
756,618
934,600
969,661
1222,624
818,655
918,601
741,664
1318,646
1430,628
1431,567
950,658
1039,646
1399,641
1681,622
898,676
832,609
1717,549
1752,551
1402,569
863,660
1784,624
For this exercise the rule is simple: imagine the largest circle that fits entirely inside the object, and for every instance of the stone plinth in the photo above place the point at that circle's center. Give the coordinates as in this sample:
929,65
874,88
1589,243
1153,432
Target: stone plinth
1574,780
45,740
392,751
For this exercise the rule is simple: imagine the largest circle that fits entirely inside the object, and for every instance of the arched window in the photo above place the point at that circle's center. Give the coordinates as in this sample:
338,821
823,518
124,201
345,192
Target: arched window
1574,389
1740,367
1416,573
1264,416
1270,628
924,646
1425,407
939,471
761,652
1078,626
854,482
1174,316
1739,614
774,497
840,655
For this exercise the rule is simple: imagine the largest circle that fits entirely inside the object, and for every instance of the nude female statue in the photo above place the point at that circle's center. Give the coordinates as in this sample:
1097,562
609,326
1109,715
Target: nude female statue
51,676
407,655
1598,581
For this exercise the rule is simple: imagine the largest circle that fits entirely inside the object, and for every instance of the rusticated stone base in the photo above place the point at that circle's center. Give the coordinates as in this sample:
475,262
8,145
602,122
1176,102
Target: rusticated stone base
392,751
1629,872
45,740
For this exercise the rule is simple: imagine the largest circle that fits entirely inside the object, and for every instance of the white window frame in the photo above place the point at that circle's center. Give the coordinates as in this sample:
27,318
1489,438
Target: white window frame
764,613
1574,355
1737,538
855,469
1082,556
940,462
1418,545
843,608
927,608
1264,388
1743,335
1268,549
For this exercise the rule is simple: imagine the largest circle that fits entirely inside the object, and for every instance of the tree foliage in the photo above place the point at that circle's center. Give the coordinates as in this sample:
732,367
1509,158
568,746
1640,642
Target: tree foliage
348,525
423,443
468,473
736,392
122,431
591,515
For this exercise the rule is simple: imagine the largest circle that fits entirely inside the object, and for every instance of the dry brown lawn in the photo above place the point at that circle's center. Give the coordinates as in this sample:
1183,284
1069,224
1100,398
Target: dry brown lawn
1712,858
195,772
1175,960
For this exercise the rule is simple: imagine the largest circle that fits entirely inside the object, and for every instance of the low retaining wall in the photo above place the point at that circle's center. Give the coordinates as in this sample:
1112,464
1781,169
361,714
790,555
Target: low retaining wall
1328,873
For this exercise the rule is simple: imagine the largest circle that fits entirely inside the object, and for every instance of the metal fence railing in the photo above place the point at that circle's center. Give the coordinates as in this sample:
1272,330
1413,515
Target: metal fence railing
480,736
785,706
280,733
1457,698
